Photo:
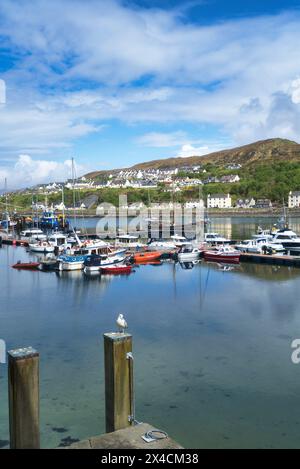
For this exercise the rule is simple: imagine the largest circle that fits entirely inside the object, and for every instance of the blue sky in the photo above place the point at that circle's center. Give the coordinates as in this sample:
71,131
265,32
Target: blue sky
114,82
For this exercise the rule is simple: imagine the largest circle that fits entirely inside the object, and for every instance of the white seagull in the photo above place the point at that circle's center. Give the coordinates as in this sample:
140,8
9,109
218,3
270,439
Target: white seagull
121,323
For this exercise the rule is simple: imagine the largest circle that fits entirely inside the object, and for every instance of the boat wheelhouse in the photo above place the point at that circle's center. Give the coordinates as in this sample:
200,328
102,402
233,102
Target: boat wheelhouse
128,241
215,238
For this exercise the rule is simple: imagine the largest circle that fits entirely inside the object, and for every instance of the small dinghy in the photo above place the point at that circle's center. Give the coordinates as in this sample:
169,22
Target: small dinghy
26,265
116,269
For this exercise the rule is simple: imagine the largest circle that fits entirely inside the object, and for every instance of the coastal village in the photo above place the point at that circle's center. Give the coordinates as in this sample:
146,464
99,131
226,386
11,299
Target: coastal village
170,179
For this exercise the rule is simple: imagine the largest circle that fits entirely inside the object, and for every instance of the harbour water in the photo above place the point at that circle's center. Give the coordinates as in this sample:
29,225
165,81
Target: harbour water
212,347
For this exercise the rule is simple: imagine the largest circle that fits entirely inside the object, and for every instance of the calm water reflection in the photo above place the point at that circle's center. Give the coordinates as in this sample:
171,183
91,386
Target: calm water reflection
212,348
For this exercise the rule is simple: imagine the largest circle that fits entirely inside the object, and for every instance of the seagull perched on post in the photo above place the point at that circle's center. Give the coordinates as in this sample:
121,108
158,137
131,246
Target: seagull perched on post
121,323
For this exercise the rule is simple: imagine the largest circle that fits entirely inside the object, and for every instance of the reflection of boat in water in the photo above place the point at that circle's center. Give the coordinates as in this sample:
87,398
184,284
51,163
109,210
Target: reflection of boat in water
154,263
269,273
223,254
188,265
226,267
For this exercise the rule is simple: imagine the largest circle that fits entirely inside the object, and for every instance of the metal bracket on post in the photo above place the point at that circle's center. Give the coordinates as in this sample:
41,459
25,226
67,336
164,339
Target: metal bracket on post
131,417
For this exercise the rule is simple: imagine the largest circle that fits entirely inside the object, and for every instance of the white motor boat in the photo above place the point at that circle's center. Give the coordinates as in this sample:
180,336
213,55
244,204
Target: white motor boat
215,238
161,245
267,234
58,240
288,239
259,245
41,246
33,234
188,253
179,240
128,241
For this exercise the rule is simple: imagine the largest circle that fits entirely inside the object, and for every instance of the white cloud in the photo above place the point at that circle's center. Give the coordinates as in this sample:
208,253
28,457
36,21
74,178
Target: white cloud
77,65
190,150
27,171
295,91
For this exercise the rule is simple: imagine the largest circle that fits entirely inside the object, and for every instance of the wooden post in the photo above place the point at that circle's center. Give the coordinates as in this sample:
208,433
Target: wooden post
118,388
23,390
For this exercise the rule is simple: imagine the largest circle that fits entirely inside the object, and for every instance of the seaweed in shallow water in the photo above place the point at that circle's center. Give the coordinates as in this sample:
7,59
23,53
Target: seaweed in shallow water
67,441
59,429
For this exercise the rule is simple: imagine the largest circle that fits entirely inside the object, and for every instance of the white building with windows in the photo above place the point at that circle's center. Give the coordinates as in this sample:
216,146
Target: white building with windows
294,199
219,201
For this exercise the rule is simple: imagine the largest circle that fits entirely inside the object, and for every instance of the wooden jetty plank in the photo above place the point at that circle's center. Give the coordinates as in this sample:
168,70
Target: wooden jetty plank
117,380
23,386
293,261
127,438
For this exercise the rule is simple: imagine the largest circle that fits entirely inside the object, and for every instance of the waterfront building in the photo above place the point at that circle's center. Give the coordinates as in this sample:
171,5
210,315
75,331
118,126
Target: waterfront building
219,201
263,203
245,203
294,199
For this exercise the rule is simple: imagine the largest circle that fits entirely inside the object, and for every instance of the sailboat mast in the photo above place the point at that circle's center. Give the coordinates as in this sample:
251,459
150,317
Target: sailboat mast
63,204
6,206
74,199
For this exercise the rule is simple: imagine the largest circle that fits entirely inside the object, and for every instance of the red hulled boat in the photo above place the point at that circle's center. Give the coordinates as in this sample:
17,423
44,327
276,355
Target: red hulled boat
116,269
223,254
26,265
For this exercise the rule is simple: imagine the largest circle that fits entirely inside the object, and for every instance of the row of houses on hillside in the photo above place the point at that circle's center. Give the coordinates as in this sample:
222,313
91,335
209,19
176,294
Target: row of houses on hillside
225,201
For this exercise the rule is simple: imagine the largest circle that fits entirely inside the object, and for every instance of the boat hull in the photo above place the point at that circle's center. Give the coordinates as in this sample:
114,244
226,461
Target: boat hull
186,257
26,265
41,249
215,257
146,257
71,265
125,269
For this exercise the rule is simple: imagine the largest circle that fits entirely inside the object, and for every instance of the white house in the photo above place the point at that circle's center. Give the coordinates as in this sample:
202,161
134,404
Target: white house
219,201
294,199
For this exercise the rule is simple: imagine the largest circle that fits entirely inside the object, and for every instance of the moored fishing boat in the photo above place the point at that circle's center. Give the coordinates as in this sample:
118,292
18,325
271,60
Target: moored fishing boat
94,262
223,254
71,262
